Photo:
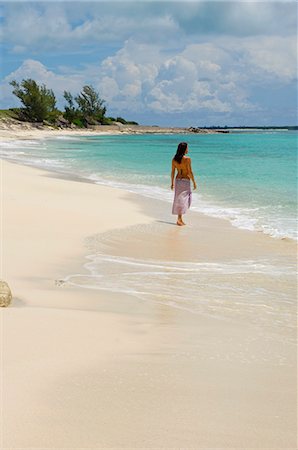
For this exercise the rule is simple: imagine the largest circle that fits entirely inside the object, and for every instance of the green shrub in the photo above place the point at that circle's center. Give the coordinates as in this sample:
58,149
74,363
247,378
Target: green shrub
12,113
78,123
39,102
121,120
107,121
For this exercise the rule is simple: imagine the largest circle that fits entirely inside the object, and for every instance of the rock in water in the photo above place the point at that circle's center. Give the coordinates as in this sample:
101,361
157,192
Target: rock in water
5,294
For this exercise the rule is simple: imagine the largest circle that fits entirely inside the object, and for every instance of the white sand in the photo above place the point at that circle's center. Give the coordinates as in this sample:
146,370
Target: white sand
86,369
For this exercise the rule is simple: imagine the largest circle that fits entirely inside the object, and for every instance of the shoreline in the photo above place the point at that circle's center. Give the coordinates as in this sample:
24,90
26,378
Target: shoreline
79,362
9,129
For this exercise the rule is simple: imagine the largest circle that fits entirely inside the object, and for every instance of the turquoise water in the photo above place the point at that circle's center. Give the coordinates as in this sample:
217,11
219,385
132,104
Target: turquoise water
248,178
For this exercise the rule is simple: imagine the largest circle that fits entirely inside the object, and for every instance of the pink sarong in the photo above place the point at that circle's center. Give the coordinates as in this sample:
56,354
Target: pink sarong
182,198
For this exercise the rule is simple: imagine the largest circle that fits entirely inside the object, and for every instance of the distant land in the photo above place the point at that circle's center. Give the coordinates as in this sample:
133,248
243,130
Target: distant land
267,127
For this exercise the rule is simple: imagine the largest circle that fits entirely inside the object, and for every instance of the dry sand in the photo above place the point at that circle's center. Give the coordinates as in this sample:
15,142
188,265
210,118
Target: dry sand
16,132
88,369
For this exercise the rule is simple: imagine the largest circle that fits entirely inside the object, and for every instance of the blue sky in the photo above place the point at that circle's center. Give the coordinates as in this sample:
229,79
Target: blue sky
160,63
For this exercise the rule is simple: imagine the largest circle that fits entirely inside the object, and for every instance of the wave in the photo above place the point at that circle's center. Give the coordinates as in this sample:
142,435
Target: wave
68,138
29,152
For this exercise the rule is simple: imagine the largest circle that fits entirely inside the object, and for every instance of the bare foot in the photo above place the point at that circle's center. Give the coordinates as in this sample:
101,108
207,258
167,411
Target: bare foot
180,223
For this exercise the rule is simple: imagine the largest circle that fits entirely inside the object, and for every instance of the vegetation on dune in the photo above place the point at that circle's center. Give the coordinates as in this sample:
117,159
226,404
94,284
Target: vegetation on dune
121,120
39,105
12,113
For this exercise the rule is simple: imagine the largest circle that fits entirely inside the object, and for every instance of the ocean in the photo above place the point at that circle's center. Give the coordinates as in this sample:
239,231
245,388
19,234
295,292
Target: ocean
246,178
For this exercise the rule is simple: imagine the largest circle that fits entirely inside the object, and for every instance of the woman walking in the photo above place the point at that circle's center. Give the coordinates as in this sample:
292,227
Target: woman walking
182,197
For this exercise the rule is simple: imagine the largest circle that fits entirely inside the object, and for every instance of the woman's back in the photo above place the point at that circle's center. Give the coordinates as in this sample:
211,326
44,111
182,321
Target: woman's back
182,167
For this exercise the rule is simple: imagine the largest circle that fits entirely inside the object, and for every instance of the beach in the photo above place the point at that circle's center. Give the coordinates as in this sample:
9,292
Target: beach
100,368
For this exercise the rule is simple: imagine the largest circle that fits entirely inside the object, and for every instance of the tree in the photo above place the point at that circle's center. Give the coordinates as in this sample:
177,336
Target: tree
91,105
39,102
71,112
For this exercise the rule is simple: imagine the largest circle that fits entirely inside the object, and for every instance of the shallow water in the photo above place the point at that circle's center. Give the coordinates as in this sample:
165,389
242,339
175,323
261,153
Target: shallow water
248,178
140,260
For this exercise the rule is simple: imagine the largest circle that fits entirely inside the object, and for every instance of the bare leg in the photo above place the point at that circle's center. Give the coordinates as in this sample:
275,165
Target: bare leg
180,220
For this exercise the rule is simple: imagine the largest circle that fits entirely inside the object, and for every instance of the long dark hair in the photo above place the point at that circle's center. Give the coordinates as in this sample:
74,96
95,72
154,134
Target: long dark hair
181,149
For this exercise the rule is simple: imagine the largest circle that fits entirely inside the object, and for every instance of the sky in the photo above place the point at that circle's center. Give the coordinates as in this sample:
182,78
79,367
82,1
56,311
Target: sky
175,63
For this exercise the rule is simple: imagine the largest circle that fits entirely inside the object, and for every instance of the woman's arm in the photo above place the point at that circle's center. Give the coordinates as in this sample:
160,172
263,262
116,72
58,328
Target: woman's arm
191,174
172,175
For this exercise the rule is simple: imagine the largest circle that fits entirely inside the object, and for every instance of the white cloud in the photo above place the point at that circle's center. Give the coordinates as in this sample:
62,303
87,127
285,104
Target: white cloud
140,78
276,56
215,77
39,27
60,25
37,71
